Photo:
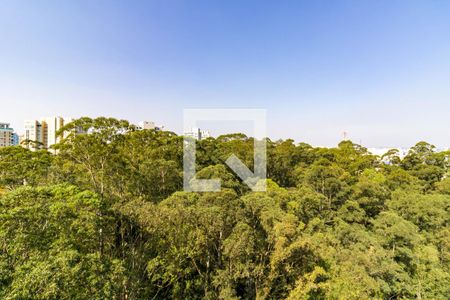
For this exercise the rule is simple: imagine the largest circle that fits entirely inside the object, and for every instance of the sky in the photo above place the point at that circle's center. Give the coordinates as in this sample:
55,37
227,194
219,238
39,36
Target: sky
378,70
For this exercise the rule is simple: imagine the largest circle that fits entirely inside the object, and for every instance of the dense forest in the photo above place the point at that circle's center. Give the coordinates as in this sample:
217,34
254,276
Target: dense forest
107,218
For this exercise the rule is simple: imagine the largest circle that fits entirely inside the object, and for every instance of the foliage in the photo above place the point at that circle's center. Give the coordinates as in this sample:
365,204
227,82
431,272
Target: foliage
106,218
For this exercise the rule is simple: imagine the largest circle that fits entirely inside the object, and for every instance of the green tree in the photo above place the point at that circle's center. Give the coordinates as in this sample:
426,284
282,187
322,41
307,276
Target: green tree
20,166
56,244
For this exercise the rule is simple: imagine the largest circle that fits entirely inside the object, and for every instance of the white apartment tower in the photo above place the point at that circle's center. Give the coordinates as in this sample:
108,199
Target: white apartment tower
51,127
198,133
148,125
34,135
42,134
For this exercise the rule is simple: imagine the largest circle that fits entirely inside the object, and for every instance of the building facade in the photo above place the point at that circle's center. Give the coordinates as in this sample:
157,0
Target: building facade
148,125
42,134
33,138
51,127
15,139
198,134
7,135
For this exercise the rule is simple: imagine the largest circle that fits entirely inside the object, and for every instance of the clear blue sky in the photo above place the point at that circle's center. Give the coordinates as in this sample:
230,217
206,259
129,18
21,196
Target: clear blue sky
377,69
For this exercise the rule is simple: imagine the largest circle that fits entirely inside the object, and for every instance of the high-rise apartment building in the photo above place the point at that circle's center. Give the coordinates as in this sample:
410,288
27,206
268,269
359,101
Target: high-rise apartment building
7,137
148,125
33,138
76,130
198,134
42,134
51,127
15,139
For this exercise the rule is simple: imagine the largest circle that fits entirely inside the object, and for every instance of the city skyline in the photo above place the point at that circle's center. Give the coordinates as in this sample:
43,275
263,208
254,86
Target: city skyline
217,130
378,70
195,132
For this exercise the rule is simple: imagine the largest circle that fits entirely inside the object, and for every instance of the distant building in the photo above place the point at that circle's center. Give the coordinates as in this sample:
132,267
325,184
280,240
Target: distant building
6,135
442,149
33,138
15,139
148,125
198,134
42,134
50,127
402,152
76,130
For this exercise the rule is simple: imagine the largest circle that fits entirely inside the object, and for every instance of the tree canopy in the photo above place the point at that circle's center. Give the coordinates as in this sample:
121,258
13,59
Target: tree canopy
106,218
